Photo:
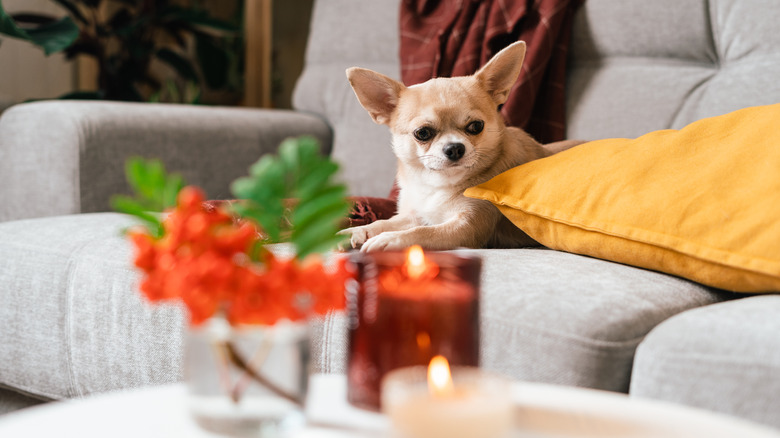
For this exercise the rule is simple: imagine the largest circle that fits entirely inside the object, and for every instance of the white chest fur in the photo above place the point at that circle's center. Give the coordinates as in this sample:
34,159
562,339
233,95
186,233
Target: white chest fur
431,202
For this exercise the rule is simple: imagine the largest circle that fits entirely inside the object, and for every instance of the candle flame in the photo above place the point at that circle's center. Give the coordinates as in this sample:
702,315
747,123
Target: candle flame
417,266
439,377
415,262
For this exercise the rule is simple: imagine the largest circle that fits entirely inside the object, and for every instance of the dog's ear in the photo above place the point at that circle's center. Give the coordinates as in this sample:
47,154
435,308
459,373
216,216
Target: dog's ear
501,72
376,92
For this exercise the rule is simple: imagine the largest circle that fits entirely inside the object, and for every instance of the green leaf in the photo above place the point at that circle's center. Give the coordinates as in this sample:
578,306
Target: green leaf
298,171
313,180
154,188
173,185
268,218
9,27
325,226
332,198
55,37
127,205
141,176
316,242
257,251
262,165
300,154
52,37
319,226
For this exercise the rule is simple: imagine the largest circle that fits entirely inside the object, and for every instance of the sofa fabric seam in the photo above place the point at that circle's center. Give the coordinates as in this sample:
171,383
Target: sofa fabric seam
672,358
69,298
629,344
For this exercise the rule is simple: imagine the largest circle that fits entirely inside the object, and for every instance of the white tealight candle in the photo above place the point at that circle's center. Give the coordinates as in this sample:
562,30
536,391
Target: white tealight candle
439,403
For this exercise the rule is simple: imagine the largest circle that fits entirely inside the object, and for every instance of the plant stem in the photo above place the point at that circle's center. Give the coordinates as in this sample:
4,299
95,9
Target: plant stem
257,360
223,369
239,361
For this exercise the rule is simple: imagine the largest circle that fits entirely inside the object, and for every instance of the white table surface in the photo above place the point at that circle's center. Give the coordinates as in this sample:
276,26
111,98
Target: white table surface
541,411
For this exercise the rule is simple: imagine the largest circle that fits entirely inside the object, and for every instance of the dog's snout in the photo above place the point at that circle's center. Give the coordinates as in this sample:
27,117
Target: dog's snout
454,151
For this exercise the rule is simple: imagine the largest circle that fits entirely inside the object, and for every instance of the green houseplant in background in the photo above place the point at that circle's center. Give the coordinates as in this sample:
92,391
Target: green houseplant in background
131,39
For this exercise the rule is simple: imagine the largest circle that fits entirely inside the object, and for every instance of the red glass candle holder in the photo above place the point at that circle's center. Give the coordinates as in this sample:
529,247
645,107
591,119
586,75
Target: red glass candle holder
402,315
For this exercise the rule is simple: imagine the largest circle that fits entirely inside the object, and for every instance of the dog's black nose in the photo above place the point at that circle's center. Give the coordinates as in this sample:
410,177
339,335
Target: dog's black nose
454,151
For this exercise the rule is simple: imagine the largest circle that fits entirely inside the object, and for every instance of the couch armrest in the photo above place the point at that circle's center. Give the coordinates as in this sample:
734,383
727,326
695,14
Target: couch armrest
66,157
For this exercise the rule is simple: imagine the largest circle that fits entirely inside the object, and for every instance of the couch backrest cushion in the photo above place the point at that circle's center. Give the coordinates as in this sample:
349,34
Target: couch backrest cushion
343,34
637,66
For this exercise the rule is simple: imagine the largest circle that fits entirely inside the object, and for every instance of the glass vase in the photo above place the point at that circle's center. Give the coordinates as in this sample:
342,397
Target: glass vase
247,381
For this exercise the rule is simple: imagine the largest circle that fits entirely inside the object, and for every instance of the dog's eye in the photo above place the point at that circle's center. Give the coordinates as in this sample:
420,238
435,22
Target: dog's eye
475,127
424,134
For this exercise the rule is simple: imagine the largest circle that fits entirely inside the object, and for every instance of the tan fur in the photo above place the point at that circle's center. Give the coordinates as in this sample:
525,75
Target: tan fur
432,211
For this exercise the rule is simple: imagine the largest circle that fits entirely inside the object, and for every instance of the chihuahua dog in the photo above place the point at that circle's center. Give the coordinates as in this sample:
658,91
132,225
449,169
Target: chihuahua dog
448,135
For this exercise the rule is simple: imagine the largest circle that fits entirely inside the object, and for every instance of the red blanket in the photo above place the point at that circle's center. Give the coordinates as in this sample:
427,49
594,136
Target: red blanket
442,38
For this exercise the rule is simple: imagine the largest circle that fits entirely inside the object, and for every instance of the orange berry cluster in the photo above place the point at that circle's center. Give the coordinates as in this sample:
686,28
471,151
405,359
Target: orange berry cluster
202,260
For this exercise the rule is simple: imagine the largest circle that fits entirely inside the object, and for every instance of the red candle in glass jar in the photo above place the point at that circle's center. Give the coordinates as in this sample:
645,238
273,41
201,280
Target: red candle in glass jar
407,308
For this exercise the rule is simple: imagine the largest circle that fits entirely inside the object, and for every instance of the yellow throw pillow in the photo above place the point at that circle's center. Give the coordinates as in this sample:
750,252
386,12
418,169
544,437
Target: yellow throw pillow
702,203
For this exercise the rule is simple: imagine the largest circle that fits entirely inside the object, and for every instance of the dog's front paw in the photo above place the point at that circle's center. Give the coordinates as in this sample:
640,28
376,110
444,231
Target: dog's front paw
358,235
387,241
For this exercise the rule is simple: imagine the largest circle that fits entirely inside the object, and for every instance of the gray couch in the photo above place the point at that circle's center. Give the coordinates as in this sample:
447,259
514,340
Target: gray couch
72,324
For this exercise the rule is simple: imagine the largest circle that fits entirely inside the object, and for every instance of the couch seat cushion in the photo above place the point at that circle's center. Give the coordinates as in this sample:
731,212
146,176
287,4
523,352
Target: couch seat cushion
71,319
73,323
553,317
724,358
